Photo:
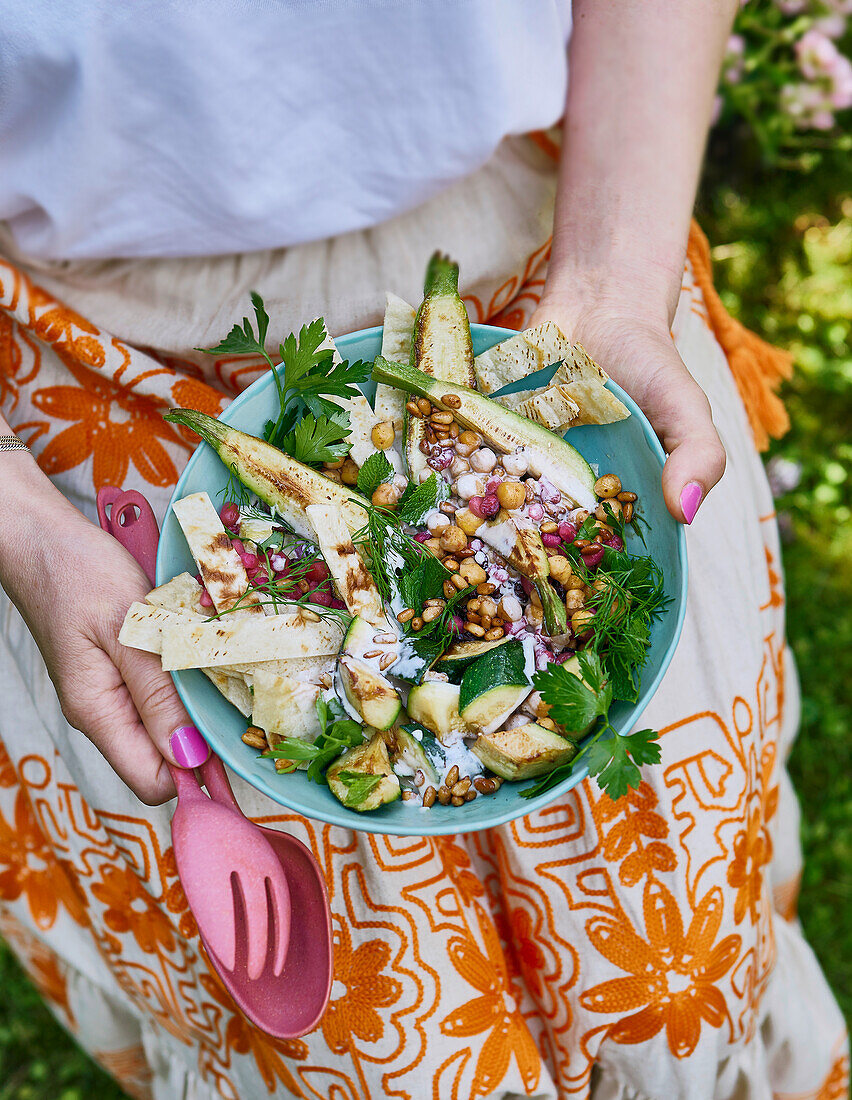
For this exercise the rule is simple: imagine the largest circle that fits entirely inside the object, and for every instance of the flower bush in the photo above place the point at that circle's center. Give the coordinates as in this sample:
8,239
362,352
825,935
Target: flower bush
787,73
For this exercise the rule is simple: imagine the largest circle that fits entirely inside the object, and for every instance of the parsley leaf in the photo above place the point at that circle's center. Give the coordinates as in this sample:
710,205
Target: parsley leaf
417,500
318,439
614,759
571,703
241,340
375,471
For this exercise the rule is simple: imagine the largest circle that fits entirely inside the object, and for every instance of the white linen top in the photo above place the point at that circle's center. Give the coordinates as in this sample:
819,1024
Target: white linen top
198,127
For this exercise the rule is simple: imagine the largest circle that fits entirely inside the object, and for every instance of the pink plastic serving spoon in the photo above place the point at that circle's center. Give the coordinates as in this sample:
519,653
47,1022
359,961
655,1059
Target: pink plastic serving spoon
283,1004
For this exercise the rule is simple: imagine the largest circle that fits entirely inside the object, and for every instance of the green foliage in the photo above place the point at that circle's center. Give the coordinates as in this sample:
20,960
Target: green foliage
375,471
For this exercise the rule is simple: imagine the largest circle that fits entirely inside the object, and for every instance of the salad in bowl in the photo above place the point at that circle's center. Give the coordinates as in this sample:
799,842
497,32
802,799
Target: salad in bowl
423,599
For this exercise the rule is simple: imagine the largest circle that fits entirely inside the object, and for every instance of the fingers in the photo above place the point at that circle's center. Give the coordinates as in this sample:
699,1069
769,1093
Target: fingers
103,708
680,414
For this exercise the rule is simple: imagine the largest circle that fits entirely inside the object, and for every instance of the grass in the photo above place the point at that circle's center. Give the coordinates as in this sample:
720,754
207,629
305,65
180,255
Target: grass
783,252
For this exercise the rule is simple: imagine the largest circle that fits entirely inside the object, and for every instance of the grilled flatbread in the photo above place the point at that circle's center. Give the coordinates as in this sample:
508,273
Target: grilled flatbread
246,641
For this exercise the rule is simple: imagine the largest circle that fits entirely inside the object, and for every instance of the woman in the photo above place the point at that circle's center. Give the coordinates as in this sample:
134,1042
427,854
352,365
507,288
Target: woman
644,948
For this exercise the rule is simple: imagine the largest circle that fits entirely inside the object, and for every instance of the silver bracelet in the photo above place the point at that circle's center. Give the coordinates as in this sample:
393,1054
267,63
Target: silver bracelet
12,443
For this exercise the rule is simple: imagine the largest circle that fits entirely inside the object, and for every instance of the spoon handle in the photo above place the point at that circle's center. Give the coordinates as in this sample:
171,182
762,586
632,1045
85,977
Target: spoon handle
215,779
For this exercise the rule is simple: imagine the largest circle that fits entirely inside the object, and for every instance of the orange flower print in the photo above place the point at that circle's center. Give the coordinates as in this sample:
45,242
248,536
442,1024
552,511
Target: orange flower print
752,850
367,988
456,864
115,441
243,1038
632,833
494,1011
130,908
673,975
43,969
836,1085
526,947
30,867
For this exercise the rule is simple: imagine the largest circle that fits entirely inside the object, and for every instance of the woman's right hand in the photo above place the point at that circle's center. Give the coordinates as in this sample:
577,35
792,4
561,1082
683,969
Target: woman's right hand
73,584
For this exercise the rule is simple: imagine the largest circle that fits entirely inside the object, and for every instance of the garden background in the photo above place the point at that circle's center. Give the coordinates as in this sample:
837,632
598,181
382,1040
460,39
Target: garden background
776,204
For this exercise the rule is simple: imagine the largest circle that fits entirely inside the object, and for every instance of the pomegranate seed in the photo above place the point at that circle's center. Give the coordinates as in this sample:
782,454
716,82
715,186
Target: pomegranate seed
475,505
238,546
250,561
319,571
616,542
260,577
491,484
423,536
561,658
338,605
199,578
535,511
552,540
490,506
322,598
567,531
205,599
456,625
526,584
229,515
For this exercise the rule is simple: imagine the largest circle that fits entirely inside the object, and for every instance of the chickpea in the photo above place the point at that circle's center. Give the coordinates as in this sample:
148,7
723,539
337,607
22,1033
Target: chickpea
473,573
516,465
560,568
579,517
469,485
434,547
336,465
386,496
581,621
534,615
334,475
574,600
483,461
460,466
615,505
437,521
511,494
383,435
607,486
468,521
349,472
453,539
510,608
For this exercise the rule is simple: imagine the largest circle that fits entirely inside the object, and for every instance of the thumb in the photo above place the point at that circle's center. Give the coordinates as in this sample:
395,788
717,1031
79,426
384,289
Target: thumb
680,414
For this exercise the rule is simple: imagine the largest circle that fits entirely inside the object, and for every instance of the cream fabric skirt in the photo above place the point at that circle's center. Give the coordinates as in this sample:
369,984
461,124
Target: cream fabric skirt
647,948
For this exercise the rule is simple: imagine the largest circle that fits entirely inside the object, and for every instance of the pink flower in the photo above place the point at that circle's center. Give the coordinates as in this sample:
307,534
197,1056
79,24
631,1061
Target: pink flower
733,65
817,55
808,106
840,91
791,7
833,26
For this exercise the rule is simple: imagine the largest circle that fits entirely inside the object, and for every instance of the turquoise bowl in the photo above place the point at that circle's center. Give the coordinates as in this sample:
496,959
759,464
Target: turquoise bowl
629,448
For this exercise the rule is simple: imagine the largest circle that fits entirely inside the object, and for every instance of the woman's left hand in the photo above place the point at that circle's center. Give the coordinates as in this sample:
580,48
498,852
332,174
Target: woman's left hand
639,354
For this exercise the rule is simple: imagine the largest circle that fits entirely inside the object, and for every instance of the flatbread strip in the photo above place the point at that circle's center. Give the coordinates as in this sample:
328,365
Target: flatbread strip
246,640
307,669
181,593
224,574
234,688
354,583
285,706
397,334
144,624
575,395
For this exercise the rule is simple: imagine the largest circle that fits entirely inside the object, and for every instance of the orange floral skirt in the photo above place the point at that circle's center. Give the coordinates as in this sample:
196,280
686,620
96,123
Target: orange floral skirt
645,948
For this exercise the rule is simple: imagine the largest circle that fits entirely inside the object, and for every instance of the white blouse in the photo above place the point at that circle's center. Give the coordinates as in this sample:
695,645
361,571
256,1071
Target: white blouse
198,127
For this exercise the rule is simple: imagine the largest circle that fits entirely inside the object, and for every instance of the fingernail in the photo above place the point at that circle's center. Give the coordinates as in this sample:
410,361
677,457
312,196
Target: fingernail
189,748
690,498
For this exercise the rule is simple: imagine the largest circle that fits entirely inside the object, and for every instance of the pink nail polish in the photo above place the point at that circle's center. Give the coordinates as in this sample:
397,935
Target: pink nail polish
189,748
690,498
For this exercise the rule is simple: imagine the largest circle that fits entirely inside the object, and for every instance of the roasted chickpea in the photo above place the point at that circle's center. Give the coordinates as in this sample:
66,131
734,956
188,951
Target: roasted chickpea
473,573
386,496
349,472
383,435
607,486
453,539
468,521
560,568
581,621
511,494
574,600
614,505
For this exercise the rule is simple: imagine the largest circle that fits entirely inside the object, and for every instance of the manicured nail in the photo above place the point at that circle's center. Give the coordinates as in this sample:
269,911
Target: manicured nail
189,748
690,498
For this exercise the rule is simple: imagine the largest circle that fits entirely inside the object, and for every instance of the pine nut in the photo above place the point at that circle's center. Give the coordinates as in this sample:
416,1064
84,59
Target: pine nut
486,589
484,785
627,498
627,512
416,623
451,564
473,605
470,438
309,616
454,431
387,661
449,589
452,776
457,800
384,638
495,634
429,797
459,581
425,448
451,400
430,614
372,653
254,739
424,405
407,796
549,528
474,629
405,616
462,787
441,418
419,778
469,797
412,407
444,795
447,508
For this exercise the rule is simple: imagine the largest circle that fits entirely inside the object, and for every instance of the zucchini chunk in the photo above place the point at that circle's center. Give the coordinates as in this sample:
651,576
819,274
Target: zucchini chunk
494,686
435,705
441,346
406,751
461,655
369,693
523,752
369,759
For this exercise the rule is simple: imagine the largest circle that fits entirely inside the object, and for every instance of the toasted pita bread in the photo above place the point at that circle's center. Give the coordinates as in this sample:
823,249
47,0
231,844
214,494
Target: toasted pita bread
576,394
308,669
246,641
181,593
218,562
144,624
354,583
285,706
234,689
396,348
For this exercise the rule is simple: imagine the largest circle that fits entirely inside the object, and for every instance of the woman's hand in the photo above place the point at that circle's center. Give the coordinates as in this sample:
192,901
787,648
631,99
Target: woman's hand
639,354
73,584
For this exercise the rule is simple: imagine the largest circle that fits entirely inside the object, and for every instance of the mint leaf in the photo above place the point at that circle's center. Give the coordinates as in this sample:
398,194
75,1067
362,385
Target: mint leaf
417,500
423,582
375,471
358,786
317,440
572,704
